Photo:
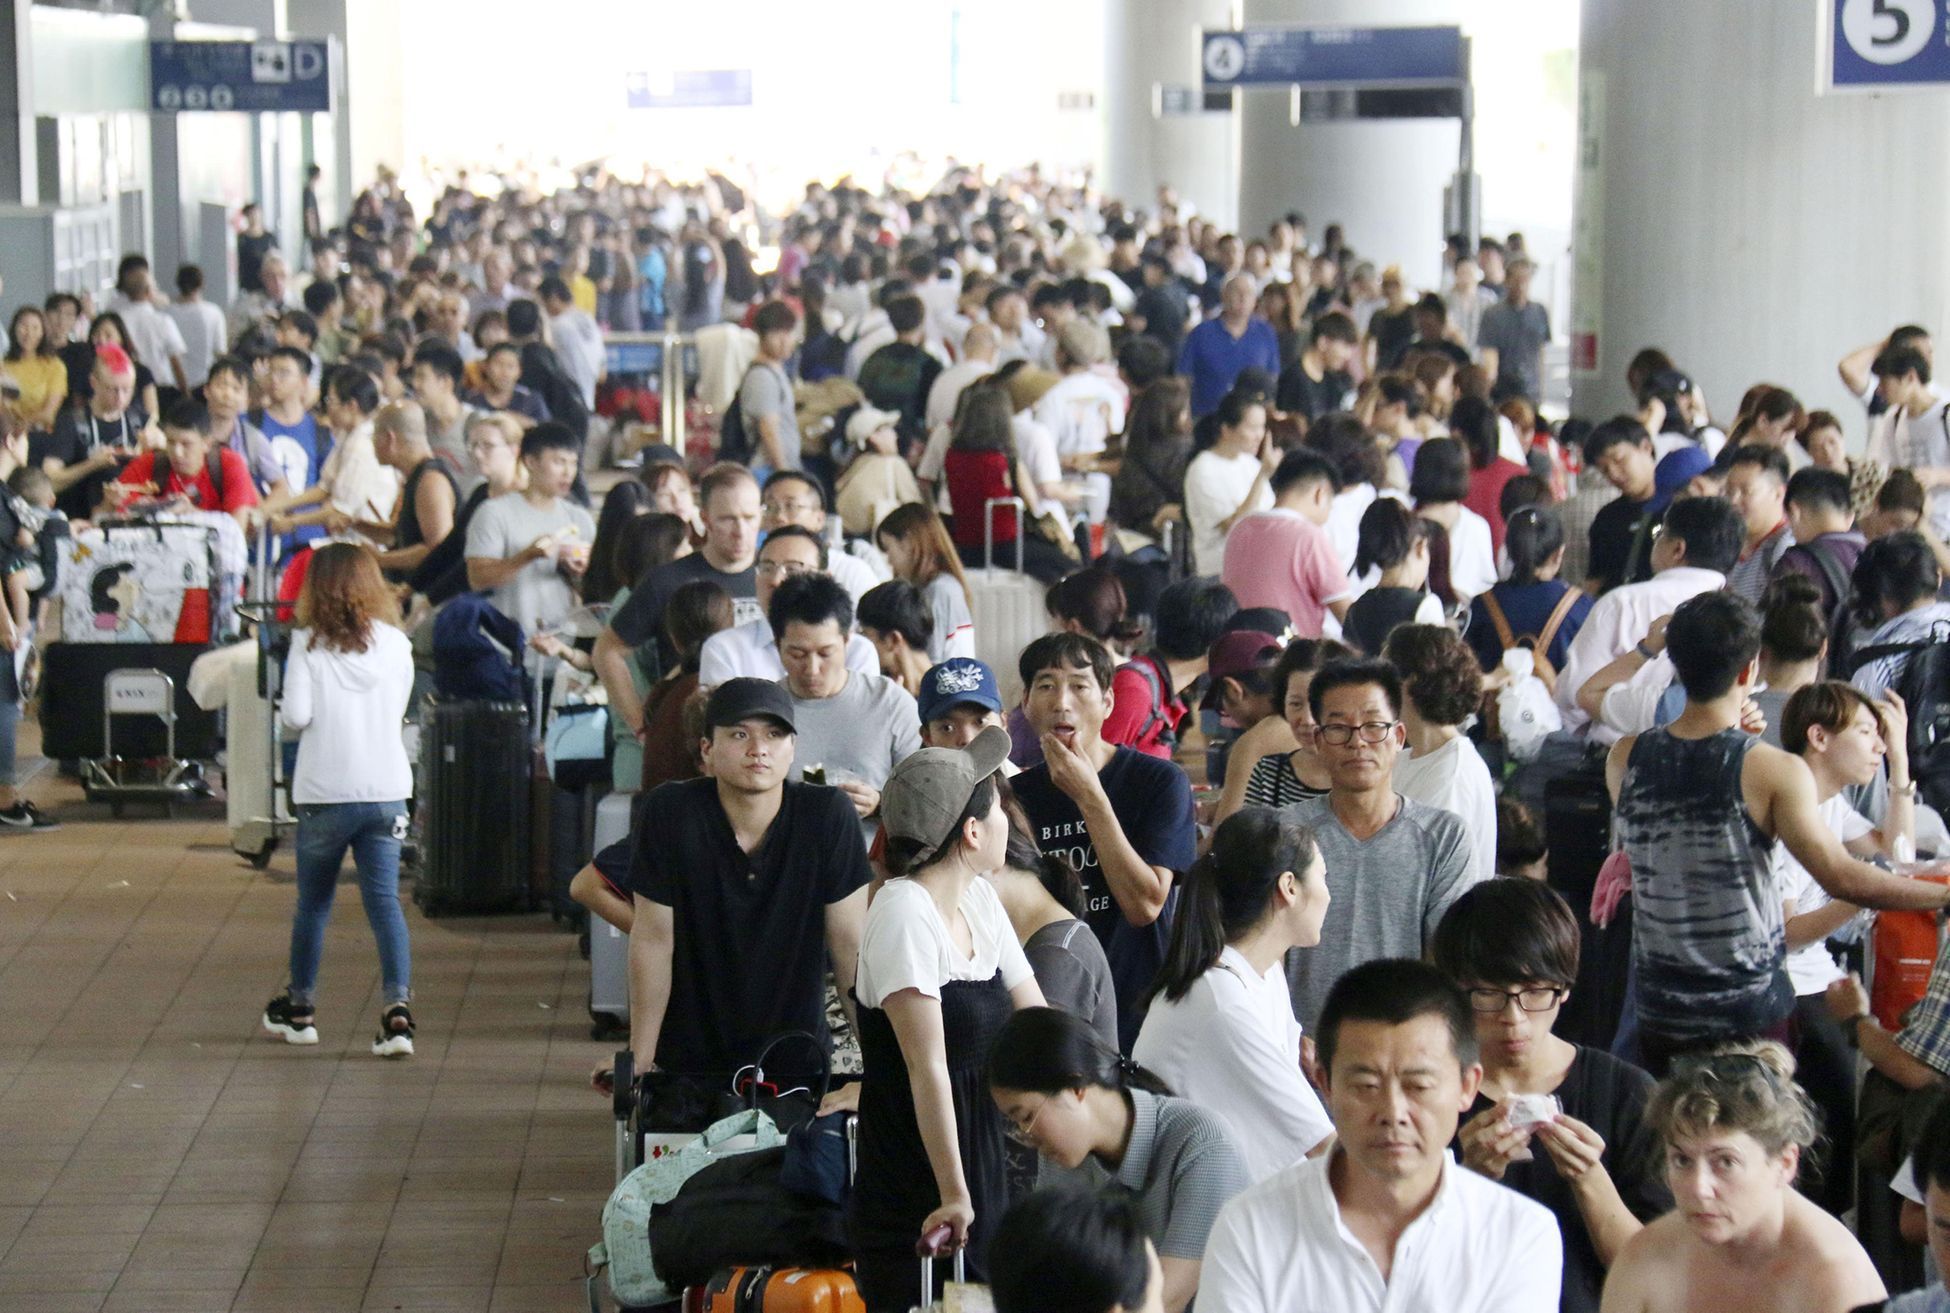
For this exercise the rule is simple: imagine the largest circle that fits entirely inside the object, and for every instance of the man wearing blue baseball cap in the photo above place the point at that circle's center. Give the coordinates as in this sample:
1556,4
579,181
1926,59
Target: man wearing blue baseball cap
959,699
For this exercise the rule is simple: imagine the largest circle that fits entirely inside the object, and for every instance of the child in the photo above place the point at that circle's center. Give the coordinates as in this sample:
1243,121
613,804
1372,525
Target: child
32,561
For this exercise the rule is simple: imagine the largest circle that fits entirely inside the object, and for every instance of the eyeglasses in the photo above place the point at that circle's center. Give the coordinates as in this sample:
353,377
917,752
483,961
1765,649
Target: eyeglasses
1491,1002
787,568
1024,1132
1373,731
789,507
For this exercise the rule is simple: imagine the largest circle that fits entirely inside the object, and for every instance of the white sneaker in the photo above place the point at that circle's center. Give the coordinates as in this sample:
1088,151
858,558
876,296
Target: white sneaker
395,1037
291,1024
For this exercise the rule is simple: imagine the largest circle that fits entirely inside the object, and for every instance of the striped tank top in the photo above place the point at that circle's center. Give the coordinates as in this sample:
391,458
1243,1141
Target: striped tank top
1709,939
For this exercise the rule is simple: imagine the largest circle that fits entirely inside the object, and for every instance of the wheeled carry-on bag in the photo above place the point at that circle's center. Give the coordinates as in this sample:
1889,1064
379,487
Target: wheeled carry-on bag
609,948
474,853
777,1290
1007,605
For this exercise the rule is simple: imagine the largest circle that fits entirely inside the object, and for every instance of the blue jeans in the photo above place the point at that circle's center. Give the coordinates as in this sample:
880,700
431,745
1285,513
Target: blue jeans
373,831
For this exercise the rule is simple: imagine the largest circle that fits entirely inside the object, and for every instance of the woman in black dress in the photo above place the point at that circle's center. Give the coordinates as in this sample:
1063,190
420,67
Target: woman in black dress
940,972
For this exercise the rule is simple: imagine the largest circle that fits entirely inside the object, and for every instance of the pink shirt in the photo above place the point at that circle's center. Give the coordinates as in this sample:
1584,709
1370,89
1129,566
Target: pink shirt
1281,558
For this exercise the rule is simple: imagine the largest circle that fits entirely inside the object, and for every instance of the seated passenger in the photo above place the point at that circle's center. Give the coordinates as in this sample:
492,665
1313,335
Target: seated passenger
1512,945
1386,1219
751,649
1220,1030
1734,1126
1099,1121
894,617
191,471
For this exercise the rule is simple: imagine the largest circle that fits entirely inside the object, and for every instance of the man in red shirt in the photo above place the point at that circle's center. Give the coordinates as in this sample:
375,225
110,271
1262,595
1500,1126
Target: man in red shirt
190,473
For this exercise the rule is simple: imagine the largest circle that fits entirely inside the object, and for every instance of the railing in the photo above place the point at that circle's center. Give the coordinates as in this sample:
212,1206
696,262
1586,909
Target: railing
659,355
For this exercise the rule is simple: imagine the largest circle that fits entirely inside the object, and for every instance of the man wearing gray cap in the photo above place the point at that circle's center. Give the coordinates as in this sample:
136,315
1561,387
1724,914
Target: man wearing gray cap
743,883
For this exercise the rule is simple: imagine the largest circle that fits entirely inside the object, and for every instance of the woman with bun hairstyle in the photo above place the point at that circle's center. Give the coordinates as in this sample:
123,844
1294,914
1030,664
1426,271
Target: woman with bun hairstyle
1101,1121
1523,606
1219,1028
1733,1126
940,971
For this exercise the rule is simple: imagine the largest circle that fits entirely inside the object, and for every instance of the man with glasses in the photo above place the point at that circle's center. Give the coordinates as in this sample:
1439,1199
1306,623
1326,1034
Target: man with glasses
751,648
792,498
1393,865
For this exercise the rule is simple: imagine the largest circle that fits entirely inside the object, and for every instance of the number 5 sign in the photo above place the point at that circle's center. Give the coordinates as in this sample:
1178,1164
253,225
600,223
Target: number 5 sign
1881,45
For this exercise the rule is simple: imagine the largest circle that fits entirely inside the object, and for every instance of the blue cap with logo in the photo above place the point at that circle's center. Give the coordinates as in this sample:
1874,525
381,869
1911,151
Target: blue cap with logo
955,681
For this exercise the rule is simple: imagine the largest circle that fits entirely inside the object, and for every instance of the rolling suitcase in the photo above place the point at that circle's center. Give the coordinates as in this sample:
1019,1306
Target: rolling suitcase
776,1290
1007,606
609,948
474,855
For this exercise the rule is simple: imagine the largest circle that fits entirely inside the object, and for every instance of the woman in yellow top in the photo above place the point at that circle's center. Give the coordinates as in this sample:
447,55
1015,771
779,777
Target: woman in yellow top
34,364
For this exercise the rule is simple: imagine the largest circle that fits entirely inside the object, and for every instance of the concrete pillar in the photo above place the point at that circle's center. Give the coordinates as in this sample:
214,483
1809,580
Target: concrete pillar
20,172
1754,230
1149,43
170,246
1382,181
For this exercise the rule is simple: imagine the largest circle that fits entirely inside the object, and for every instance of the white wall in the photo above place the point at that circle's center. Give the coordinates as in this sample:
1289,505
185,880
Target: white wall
1753,229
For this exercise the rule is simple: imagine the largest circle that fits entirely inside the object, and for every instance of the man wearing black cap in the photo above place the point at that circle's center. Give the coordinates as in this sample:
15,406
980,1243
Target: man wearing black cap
743,883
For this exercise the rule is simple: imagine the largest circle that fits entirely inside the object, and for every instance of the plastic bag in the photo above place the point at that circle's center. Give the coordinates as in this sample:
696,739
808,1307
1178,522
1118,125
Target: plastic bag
1525,711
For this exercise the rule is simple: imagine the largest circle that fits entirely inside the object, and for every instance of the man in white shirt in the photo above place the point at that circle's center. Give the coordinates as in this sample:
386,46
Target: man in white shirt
1084,408
198,323
792,498
157,341
1699,540
578,342
977,362
1913,431
751,648
1387,1219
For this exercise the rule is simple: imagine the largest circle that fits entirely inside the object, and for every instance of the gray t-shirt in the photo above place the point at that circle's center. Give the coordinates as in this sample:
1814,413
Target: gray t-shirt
768,391
860,732
1181,1165
1518,335
1388,893
1074,974
538,597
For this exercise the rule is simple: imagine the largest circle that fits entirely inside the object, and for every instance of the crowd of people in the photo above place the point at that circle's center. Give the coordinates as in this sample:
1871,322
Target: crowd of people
1283,1038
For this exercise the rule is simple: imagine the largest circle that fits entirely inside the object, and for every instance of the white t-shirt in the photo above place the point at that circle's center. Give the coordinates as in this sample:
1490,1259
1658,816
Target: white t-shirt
750,650
1903,441
954,626
1232,1044
1472,559
1037,449
1083,409
907,944
202,329
1811,967
1215,486
1454,778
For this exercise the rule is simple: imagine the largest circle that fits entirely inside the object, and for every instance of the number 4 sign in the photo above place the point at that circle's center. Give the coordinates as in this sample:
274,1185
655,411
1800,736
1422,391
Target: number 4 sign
1885,45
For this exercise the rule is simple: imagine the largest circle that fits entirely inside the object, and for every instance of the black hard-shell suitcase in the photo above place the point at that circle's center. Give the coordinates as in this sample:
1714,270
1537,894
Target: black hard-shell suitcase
475,849
1577,833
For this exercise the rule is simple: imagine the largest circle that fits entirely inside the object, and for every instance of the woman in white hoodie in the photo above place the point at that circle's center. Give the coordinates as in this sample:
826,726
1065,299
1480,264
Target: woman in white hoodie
345,690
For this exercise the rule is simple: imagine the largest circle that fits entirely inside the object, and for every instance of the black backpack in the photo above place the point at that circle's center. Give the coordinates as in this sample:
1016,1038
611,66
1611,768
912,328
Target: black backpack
732,444
1840,618
736,1212
1925,689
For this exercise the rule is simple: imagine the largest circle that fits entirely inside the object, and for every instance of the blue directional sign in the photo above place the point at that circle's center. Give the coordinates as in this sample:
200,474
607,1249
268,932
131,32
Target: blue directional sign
1333,56
689,89
1879,45
251,77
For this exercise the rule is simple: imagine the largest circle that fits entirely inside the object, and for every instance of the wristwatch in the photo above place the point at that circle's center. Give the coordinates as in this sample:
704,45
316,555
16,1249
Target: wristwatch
1906,790
1645,651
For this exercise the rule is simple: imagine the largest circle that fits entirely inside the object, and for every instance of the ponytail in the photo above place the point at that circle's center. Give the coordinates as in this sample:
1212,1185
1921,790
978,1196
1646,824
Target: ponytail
1047,1051
1531,536
1227,892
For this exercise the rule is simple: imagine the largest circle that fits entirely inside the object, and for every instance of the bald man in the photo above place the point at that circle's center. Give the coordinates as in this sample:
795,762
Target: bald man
429,487
978,360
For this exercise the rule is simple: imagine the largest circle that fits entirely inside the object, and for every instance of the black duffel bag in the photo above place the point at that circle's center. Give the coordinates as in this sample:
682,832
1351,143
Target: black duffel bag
736,1213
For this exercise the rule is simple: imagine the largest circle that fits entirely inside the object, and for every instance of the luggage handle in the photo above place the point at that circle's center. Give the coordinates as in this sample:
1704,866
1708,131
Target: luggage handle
988,530
930,1247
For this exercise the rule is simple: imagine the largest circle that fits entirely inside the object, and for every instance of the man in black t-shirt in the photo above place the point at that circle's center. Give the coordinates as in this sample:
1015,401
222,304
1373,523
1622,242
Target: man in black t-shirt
1162,307
1121,819
742,886
91,443
1621,532
729,496
1318,382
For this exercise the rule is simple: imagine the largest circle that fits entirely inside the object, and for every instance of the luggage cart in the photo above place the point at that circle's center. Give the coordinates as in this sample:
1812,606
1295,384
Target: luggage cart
265,817
119,780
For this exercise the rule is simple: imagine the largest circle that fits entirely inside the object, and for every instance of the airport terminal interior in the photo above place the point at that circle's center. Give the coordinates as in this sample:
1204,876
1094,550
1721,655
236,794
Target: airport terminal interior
1053,657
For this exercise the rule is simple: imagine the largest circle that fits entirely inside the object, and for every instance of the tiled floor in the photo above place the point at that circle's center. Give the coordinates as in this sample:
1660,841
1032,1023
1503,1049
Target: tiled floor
157,1152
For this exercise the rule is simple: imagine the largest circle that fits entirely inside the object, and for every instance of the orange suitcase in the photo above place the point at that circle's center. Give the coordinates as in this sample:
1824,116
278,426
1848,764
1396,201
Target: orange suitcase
776,1290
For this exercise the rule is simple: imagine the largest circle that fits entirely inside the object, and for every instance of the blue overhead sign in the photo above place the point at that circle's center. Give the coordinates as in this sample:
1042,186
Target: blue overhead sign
1333,56
250,77
689,89
1880,45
